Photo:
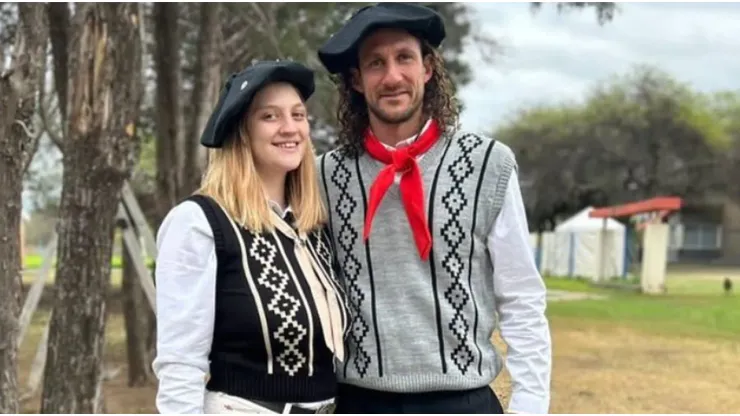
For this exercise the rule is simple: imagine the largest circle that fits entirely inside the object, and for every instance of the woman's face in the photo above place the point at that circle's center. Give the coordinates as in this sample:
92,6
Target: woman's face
278,129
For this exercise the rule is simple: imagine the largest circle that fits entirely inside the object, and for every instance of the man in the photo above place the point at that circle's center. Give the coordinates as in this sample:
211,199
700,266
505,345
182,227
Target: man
430,232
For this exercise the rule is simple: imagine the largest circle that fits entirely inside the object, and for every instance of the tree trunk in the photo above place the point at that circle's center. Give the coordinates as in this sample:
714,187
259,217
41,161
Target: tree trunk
99,153
206,90
138,317
169,121
18,87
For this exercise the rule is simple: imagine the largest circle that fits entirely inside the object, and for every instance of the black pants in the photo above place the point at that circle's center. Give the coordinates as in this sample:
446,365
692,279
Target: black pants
352,400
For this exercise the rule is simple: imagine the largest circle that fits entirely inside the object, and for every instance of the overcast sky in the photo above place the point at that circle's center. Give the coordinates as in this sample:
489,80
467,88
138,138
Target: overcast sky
550,57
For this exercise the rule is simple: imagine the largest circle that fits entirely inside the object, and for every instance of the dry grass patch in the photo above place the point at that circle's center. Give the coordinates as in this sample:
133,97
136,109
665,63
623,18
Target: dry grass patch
602,368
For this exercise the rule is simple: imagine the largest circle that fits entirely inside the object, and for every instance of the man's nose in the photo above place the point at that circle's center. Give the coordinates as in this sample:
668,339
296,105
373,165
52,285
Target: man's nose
393,75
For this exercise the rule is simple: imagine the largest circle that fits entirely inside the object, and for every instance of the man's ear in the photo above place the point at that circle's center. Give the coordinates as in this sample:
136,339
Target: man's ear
356,80
428,68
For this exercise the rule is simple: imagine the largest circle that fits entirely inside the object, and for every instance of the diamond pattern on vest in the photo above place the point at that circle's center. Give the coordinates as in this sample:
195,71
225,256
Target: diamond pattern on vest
453,233
290,333
346,238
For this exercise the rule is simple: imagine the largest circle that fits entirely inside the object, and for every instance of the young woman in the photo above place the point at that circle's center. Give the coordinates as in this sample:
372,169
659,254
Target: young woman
249,316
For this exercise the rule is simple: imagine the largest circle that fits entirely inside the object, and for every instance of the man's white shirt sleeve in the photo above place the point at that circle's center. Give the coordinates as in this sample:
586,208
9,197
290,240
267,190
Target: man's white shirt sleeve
186,290
521,299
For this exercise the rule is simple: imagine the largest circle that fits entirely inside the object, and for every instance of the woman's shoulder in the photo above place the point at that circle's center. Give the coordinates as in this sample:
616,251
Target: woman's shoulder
186,211
185,217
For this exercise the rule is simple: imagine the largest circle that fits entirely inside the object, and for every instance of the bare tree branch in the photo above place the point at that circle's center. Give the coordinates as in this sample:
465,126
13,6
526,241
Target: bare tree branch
32,135
207,84
169,120
266,28
44,117
33,145
59,23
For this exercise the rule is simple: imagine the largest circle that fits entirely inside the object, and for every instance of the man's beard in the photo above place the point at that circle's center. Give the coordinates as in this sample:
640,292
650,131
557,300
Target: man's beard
395,119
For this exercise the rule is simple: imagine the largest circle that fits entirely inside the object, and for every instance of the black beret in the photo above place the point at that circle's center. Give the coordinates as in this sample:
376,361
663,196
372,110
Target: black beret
241,88
341,49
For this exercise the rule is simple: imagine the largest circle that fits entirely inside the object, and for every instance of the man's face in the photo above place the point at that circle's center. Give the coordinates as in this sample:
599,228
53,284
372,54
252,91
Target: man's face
392,75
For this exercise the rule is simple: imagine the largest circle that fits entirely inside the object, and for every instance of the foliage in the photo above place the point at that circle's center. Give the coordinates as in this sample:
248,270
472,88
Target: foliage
8,26
634,136
604,11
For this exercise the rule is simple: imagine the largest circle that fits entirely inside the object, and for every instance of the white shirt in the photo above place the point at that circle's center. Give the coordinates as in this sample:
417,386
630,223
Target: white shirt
521,299
186,282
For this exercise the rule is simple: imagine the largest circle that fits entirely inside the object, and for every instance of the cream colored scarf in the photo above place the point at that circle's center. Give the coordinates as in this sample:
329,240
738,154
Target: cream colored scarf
324,295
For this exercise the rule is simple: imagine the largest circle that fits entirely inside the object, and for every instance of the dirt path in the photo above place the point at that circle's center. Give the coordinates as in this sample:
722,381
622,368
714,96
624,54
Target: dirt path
599,368
563,295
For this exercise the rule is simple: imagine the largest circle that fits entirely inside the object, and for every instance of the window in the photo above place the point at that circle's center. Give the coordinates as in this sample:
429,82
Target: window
701,237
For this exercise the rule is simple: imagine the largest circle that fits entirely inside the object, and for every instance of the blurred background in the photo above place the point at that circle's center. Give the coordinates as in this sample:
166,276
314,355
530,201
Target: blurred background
101,109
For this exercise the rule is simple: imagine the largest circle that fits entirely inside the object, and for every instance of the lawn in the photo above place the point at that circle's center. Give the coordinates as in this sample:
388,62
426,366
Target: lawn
629,353
677,315
29,276
694,304
32,262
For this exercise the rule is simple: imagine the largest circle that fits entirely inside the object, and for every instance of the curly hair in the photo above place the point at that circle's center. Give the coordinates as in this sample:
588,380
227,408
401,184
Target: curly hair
439,103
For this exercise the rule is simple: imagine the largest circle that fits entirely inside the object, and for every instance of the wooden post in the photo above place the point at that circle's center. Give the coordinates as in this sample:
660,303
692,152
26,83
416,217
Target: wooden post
137,218
132,244
22,243
34,294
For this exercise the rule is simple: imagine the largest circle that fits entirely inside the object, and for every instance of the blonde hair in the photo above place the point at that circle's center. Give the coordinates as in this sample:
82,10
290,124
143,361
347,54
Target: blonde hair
231,179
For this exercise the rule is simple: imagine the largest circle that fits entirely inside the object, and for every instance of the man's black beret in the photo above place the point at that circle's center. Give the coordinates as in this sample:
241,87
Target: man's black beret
340,51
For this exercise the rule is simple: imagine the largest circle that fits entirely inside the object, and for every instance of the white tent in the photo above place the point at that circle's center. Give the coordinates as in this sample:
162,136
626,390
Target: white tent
586,247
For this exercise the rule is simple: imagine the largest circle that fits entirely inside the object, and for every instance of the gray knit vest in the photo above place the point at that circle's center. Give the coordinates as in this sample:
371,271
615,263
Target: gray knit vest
420,325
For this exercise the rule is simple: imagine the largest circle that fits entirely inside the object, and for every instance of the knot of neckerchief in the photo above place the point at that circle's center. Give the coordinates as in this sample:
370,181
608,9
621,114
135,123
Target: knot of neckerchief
403,161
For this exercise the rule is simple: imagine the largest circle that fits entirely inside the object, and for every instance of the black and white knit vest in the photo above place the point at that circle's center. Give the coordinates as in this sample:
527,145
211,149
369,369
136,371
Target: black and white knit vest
268,342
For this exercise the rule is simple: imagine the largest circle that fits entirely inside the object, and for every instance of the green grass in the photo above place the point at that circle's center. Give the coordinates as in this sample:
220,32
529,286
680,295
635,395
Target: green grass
695,287
572,285
687,280
689,308
34,261
29,276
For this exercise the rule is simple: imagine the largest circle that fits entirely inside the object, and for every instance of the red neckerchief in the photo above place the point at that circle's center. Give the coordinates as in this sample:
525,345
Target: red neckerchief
403,160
